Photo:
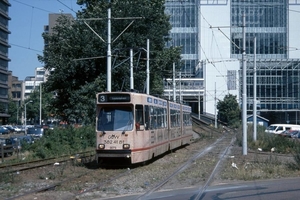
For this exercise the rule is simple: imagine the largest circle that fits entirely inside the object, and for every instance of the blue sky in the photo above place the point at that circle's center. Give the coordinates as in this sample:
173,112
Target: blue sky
28,18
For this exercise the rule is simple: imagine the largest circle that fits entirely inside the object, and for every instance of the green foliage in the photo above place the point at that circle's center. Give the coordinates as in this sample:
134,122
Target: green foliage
13,111
38,99
77,56
229,111
267,141
63,141
296,154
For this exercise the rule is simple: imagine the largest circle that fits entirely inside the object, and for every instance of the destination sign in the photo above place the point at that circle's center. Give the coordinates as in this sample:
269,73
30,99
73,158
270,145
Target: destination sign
102,98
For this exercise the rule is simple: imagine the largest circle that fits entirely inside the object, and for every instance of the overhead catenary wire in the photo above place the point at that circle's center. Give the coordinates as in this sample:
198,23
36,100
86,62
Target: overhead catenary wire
28,48
202,49
66,6
33,8
29,39
214,37
25,4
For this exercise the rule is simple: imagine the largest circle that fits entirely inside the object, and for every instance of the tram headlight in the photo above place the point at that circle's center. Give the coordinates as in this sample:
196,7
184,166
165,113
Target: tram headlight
101,146
126,146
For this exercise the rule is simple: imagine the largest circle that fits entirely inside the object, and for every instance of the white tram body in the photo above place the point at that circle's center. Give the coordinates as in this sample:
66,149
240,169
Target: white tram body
138,127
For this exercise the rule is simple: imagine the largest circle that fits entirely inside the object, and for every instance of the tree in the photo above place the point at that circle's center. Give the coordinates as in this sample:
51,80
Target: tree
44,101
229,110
77,59
14,111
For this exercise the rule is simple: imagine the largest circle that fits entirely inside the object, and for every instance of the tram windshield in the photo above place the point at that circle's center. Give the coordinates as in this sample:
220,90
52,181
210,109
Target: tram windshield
115,119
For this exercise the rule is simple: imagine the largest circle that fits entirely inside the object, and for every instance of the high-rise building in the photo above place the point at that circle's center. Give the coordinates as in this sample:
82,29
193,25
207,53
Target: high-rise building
32,83
4,60
216,28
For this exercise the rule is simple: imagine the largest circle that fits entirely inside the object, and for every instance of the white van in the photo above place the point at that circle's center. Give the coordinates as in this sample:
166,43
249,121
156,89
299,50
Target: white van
279,128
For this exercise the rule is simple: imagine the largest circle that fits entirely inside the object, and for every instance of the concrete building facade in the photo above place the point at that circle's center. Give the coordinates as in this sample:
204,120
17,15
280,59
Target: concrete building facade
4,60
32,83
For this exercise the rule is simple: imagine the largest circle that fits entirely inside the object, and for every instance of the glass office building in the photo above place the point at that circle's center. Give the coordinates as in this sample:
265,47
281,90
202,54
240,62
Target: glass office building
277,76
274,25
184,33
265,20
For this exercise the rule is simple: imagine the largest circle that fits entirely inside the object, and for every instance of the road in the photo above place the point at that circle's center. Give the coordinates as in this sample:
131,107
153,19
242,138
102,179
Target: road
263,190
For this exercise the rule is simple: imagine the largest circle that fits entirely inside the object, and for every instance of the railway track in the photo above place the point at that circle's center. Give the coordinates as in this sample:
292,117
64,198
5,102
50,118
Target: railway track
196,164
204,127
220,147
102,180
30,165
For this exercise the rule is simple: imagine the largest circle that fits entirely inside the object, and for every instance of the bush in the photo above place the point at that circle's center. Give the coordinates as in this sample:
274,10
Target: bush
296,154
63,141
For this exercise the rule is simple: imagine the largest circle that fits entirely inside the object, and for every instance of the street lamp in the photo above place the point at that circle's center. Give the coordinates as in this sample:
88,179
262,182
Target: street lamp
18,106
40,103
26,116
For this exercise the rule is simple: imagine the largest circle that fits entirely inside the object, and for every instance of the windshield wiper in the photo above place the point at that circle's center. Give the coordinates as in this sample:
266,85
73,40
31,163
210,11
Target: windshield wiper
126,127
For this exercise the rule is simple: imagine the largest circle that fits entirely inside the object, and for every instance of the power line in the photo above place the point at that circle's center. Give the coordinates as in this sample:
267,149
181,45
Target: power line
25,47
31,22
30,28
66,6
31,6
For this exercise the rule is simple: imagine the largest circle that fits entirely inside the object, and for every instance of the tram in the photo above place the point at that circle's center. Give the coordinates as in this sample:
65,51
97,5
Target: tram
137,127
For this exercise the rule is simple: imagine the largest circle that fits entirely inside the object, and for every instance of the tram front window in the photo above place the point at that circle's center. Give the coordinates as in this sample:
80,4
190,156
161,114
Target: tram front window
115,119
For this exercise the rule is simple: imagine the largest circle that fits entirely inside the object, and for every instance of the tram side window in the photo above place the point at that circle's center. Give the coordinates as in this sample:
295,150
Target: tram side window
153,118
186,119
178,118
173,118
164,117
159,117
139,119
147,117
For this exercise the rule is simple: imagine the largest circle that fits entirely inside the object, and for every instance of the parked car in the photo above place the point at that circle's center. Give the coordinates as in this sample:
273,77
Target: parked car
279,128
18,141
35,132
9,128
289,133
3,130
5,141
22,129
295,134
51,126
18,129
7,146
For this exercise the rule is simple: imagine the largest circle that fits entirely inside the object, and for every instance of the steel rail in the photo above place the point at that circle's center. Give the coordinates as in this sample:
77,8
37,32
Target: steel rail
196,156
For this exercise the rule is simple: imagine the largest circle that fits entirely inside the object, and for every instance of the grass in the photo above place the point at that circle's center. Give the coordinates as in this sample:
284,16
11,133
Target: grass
261,165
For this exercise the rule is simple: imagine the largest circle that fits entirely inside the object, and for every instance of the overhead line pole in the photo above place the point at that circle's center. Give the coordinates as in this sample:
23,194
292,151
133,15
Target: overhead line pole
254,95
174,84
216,124
244,90
108,82
109,47
244,87
40,103
131,70
148,67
